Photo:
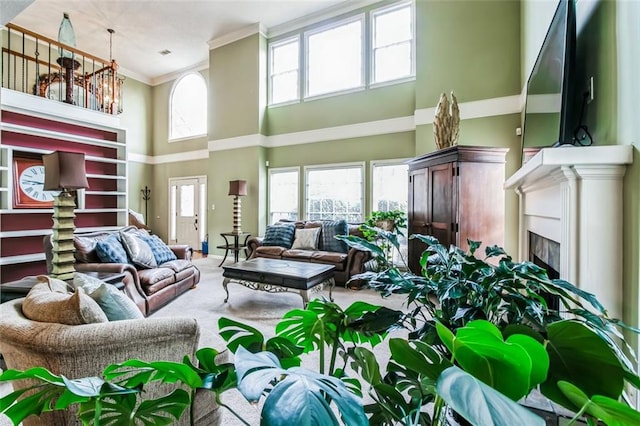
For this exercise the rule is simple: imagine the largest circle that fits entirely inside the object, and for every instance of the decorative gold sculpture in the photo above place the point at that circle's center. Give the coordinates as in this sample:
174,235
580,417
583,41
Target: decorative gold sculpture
446,123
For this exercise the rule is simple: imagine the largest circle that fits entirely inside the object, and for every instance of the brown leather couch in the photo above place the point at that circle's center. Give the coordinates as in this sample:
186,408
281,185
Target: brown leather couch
346,264
150,289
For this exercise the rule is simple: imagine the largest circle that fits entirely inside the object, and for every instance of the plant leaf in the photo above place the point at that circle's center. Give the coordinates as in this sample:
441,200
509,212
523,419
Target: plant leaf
612,412
238,334
579,356
479,403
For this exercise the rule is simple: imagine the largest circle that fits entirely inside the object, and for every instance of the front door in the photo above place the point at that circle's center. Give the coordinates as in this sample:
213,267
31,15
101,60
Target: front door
186,205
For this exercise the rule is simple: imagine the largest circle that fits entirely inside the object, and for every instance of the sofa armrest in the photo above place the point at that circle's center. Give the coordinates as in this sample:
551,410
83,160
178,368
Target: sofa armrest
356,260
131,280
252,245
182,251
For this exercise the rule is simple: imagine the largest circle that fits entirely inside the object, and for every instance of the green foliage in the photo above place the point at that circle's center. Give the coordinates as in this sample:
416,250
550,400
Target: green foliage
397,218
296,395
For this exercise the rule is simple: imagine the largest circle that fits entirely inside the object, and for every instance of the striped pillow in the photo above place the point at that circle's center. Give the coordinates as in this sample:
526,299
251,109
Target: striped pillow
280,234
331,228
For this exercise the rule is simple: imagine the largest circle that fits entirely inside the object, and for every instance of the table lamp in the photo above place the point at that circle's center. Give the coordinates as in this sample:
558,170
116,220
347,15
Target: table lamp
237,188
63,171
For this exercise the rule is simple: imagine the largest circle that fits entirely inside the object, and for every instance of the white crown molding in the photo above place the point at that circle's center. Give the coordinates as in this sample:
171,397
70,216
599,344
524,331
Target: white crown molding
174,75
476,109
140,158
239,34
313,18
245,141
135,75
371,128
21,102
468,110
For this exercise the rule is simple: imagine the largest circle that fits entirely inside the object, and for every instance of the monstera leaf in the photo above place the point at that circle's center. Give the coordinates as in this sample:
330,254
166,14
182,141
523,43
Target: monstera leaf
481,404
513,366
295,396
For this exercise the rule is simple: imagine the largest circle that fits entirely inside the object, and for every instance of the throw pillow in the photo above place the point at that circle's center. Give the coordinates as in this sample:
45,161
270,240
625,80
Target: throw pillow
110,250
306,239
331,228
138,250
49,301
114,303
160,250
280,234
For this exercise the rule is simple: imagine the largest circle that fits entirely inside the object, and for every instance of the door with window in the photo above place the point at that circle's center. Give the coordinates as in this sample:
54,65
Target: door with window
187,201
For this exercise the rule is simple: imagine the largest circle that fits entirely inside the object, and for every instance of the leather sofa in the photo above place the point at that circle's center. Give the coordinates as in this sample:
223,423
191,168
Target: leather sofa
346,264
151,288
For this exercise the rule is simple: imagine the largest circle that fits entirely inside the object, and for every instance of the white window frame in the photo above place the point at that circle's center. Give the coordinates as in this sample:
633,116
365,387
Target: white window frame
383,163
276,170
206,103
277,44
359,164
363,55
371,49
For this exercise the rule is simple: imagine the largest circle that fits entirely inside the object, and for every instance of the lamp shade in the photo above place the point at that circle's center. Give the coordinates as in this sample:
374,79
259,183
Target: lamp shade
238,187
64,170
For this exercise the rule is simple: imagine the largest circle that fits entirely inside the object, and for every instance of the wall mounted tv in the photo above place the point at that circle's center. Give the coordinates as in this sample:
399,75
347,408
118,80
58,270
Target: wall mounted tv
550,109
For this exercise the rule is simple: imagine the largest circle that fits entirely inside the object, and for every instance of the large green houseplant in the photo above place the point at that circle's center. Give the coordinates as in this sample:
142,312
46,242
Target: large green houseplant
480,338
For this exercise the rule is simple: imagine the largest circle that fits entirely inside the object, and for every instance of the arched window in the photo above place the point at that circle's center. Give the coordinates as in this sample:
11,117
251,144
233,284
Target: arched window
188,107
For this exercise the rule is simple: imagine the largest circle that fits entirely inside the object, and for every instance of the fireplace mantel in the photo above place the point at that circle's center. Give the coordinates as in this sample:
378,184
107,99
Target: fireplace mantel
573,195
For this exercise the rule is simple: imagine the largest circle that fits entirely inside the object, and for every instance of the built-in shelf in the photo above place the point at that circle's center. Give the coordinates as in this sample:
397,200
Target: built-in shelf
104,145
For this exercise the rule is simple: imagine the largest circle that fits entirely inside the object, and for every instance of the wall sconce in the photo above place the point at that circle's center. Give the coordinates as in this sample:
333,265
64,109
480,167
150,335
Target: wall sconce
237,188
64,171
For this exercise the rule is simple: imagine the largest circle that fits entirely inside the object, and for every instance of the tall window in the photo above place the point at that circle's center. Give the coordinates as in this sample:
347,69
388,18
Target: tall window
188,107
334,58
284,75
283,194
364,49
392,43
390,187
335,192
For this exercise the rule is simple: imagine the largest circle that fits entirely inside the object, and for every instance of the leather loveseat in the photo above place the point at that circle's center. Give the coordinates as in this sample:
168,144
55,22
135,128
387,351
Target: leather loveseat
149,288
348,263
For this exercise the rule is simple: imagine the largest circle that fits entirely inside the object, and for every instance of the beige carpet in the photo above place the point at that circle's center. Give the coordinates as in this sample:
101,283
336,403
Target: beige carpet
259,309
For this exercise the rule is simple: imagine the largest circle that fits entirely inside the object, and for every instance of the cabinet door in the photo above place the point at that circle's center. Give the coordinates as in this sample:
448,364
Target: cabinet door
418,215
441,203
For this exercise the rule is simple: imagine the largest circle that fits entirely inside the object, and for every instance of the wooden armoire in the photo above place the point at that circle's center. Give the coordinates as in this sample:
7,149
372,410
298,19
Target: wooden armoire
456,194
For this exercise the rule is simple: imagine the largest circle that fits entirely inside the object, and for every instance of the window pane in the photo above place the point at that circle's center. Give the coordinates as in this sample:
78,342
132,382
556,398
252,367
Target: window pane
187,200
173,200
285,57
392,27
392,62
189,107
390,187
335,59
283,195
335,194
284,87
203,211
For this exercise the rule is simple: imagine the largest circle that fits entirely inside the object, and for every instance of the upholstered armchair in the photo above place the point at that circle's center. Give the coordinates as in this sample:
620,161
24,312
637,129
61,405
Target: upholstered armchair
85,350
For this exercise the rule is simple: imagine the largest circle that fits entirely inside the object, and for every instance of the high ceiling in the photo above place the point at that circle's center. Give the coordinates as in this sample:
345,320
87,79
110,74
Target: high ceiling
145,28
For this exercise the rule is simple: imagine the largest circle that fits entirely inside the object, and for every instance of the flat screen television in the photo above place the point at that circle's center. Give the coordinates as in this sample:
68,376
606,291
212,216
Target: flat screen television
550,108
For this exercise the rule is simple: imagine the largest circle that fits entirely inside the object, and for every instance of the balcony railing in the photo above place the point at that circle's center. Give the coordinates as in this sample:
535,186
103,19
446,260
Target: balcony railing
38,65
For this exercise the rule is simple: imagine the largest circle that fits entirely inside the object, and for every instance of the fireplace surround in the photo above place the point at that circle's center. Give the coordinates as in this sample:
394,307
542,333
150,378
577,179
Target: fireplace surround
573,196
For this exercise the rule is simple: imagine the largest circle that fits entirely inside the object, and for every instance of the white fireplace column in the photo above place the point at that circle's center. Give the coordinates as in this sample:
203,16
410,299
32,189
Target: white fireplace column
573,196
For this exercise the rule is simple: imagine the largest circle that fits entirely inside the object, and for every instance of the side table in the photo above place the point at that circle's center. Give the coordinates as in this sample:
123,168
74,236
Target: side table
235,246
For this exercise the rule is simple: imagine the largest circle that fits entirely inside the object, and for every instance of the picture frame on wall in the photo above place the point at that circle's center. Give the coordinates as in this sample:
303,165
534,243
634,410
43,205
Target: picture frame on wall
28,184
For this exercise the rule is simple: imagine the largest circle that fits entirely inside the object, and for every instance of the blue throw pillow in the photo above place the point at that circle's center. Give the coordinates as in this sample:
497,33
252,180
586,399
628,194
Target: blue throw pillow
110,250
280,234
331,228
160,250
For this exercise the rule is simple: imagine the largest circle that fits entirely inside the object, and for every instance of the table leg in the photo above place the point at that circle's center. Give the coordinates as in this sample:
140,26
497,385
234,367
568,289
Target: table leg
332,283
226,250
225,282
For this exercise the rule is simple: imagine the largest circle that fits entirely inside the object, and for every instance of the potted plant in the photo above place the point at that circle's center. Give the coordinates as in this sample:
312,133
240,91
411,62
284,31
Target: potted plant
480,338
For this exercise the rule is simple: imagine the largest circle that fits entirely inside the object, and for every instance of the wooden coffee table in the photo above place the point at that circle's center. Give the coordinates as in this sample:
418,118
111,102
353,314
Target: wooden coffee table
278,276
